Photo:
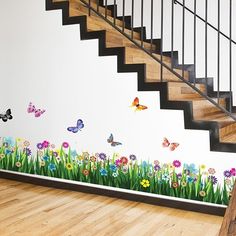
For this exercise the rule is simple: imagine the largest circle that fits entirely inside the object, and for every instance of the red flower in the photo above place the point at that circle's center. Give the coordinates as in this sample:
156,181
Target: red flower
124,160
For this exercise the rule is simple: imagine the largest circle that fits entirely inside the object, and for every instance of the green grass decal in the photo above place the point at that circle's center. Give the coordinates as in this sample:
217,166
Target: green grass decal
171,179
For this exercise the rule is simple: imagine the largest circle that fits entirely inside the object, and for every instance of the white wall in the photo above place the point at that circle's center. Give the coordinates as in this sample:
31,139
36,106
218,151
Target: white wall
46,63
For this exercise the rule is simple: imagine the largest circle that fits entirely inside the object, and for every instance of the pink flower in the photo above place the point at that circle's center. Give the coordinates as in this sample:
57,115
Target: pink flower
176,163
65,144
118,162
45,144
211,171
233,171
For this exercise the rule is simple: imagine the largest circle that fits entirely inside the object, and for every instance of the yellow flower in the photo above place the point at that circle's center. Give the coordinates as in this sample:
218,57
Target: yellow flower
85,155
183,184
202,193
18,164
171,167
18,139
69,166
202,167
42,163
40,153
2,156
145,183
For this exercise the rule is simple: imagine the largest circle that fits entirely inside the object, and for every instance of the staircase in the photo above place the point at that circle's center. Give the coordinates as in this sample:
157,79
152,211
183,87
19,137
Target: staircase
204,109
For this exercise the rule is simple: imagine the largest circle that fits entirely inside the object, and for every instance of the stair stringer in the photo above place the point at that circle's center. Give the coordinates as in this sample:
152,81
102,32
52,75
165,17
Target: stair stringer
162,87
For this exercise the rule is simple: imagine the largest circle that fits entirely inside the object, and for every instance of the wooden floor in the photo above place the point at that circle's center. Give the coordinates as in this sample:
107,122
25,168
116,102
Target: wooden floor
33,210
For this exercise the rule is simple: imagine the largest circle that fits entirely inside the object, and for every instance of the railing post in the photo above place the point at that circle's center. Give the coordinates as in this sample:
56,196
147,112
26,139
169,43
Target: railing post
151,24
218,55
195,42
162,23
141,23
183,37
172,33
230,56
206,40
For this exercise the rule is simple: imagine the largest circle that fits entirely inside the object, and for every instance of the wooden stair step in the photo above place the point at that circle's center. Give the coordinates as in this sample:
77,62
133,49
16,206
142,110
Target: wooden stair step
116,39
220,117
180,91
230,138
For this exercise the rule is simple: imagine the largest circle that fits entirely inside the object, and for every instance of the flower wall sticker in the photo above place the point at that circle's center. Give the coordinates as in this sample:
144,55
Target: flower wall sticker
6,116
174,179
137,106
32,109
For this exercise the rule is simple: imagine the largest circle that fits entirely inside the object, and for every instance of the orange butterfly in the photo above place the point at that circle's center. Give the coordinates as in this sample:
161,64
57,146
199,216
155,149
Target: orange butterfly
137,106
172,146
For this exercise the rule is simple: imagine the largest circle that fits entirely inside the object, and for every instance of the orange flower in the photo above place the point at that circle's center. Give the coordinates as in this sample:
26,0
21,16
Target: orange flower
85,172
175,184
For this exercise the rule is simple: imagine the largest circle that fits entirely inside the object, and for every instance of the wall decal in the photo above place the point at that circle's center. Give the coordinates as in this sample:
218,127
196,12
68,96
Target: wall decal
37,112
79,126
7,116
172,146
175,179
137,106
112,142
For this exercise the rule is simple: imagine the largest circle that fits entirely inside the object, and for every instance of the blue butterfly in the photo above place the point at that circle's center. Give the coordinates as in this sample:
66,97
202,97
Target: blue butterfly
112,142
78,127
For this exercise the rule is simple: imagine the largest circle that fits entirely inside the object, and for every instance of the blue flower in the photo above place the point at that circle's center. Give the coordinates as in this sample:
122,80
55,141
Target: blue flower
10,141
191,168
46,158
52,167
73,153
103,172
165,177
7,151
113,167
190,179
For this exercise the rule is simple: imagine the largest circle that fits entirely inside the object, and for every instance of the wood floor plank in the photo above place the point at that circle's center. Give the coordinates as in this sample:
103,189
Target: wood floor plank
38,211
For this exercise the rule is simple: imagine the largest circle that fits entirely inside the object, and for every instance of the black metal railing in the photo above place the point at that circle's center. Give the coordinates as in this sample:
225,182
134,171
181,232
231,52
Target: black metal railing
176,7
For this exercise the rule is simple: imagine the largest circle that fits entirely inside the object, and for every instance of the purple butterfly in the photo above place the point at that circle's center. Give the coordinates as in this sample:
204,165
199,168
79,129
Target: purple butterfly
37,112
112,142
78,127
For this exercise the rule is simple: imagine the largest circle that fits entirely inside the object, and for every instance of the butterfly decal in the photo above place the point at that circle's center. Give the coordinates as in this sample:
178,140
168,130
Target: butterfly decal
32,109
172,146
137,106
7,116
112,142
78,127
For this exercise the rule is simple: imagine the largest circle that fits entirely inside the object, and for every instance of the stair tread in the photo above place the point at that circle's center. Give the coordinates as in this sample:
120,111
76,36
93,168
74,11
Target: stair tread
230,138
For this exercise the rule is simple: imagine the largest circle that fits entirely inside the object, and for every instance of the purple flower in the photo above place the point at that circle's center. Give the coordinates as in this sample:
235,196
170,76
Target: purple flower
176,163
157,167
179,176
102,156
55,154
233,171
40,146
213,179
27,151
227,173
132,157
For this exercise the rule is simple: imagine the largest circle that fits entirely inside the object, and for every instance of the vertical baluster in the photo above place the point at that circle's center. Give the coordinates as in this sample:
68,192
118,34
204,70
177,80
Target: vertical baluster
151,24
206,40
97,5
172,33
123,16
183,38
141,23
106,8
230,55
114,17
218,55
132,20
162,19
89,10
194,42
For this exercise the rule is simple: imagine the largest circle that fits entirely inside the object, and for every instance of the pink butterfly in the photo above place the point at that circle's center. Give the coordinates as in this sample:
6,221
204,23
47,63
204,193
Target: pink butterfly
32,109
172,146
